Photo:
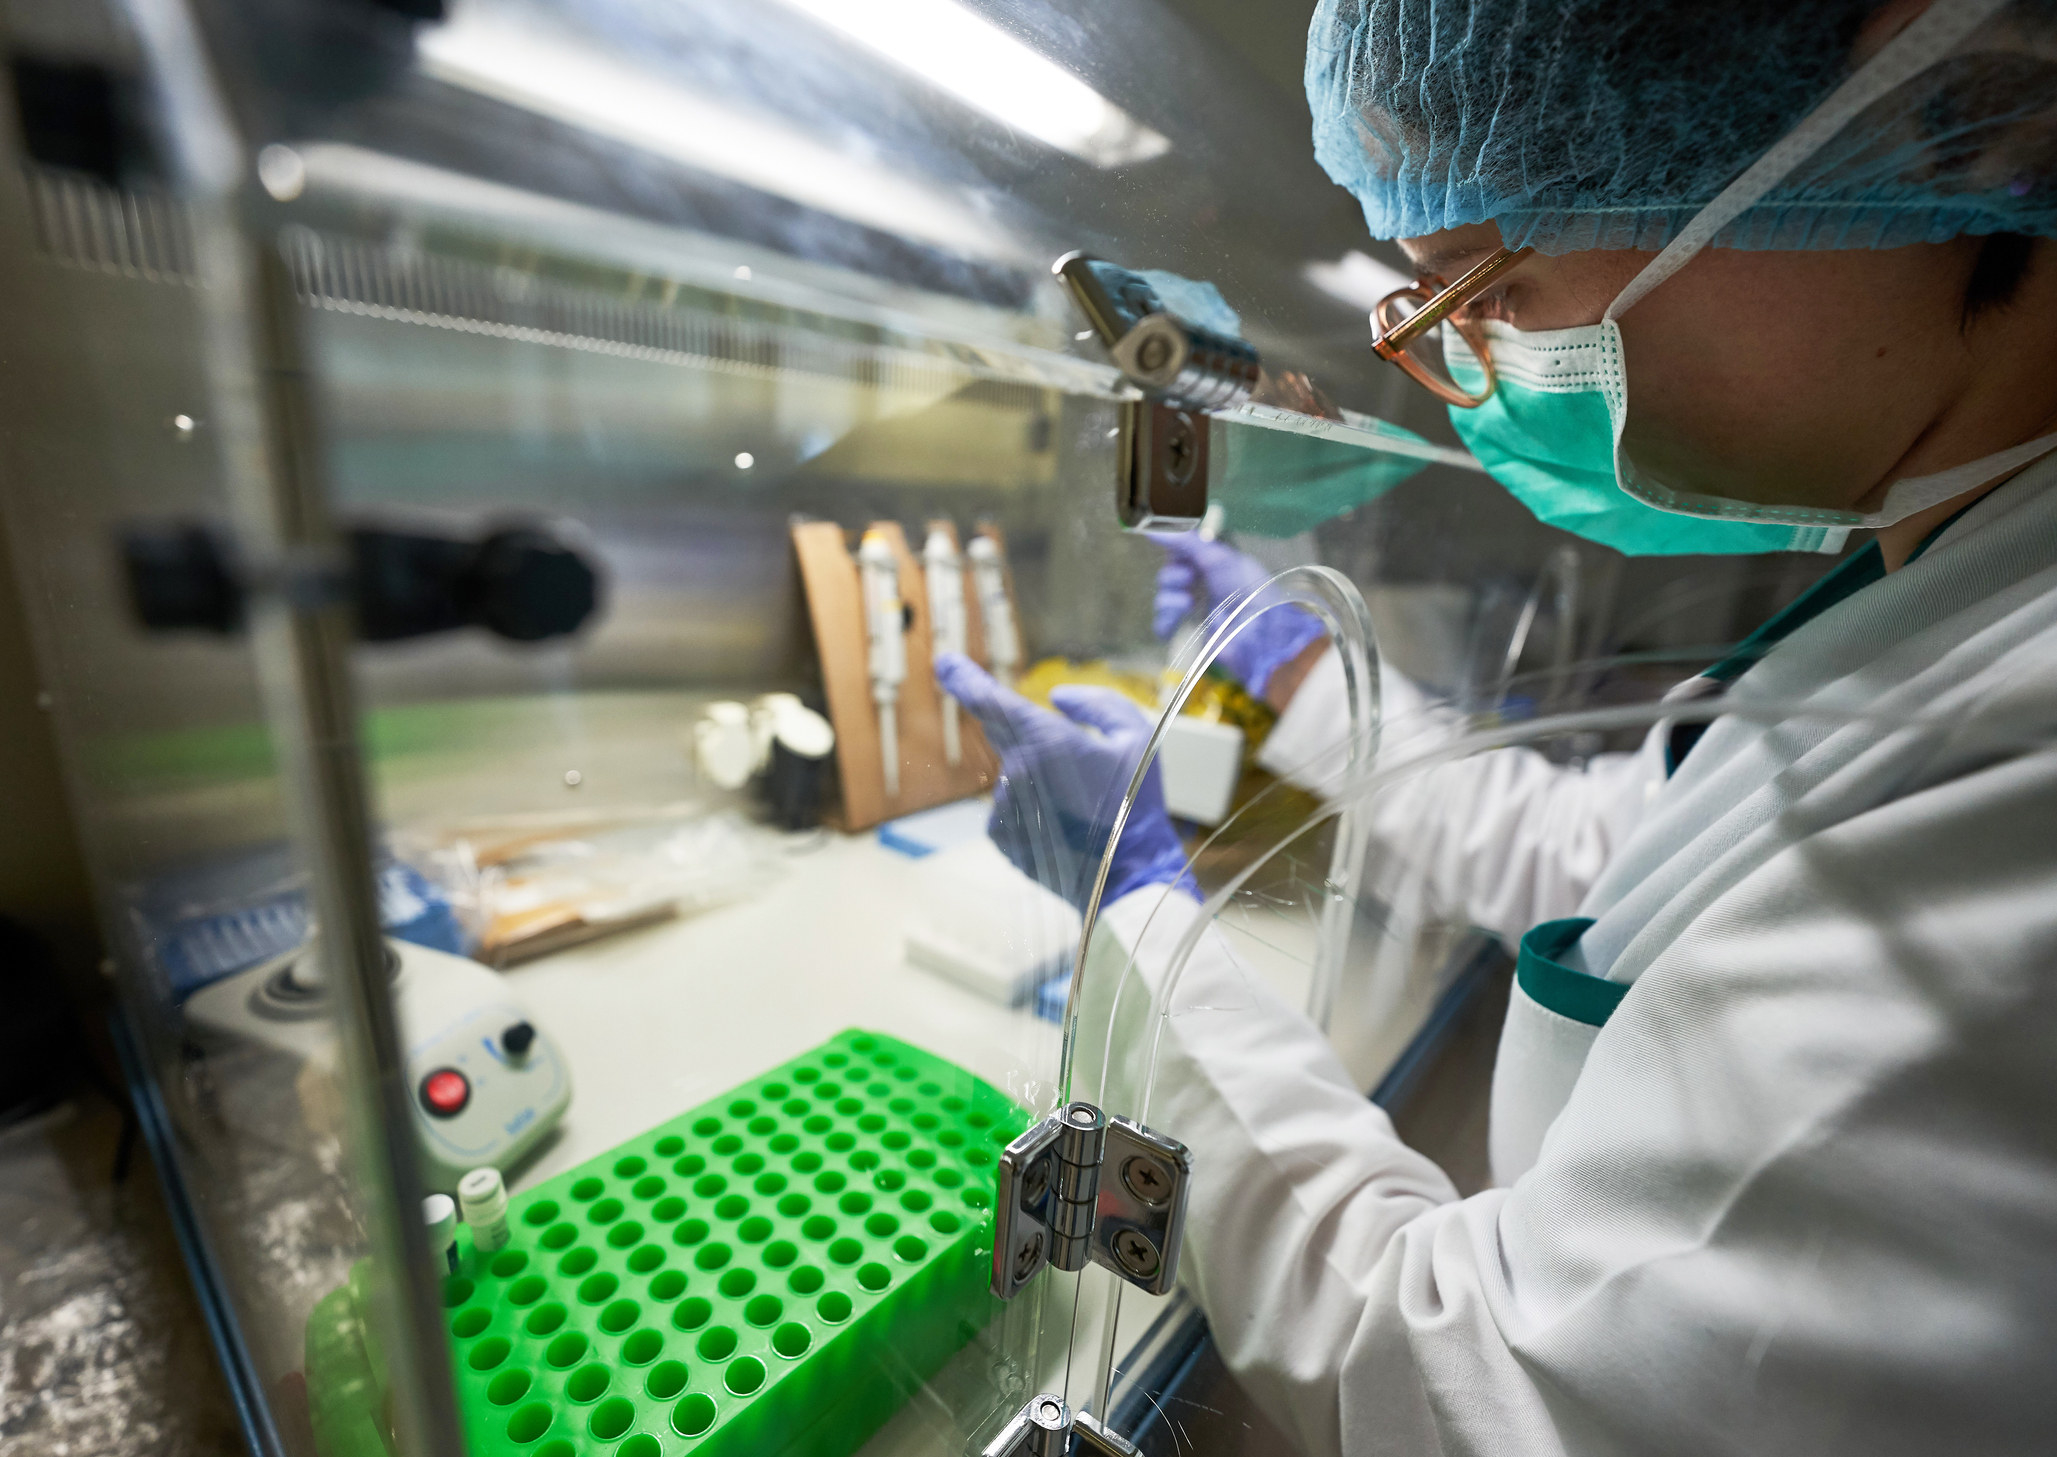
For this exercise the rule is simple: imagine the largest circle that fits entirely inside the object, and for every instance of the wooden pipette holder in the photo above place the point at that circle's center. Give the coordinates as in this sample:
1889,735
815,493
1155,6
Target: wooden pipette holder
835,607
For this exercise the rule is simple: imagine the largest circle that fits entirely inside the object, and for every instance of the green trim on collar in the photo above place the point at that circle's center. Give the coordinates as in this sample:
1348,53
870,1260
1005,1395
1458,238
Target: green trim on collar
1555,987
1851,575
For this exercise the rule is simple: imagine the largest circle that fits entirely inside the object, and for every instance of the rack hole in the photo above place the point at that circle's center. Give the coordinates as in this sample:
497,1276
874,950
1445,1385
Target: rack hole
587,1188
630,1167
846,1251
627,1233
854,1202
587,1383
694,1415
642,1444
527,1290
738,1283
780,1253
717,1343
764,1309
805,1280
577,1262
509,1387
911,1247
881,1224
457,1290
691,1232
744,1376
791,1340
666,1380
566,1350
540,1213
668,1286
612,1417
641,1348
665,1210
469,1323
489,1353
874,1277
833,1307
597,1288
712,1257
620,1316
544,1319
648,1187
510,1262
646,1259
670,1146
529,1423
692,1314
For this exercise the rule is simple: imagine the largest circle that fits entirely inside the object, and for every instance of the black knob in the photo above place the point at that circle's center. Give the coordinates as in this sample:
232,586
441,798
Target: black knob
518,1039
181,577
525,586
518,582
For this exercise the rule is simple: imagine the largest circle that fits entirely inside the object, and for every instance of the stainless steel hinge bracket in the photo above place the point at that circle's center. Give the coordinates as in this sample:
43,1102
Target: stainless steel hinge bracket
1081,1187
1181,369
1046,1427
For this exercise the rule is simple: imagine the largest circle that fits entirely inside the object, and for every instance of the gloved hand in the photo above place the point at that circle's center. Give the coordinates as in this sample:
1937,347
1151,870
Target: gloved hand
1062,776
1204,574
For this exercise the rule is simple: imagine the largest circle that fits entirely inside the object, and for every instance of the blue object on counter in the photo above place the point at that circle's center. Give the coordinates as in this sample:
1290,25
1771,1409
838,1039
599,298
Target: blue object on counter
930,830
212,921
1051,996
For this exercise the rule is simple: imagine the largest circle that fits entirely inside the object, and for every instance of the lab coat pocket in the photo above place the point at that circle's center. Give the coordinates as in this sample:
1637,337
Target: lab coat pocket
1541,1054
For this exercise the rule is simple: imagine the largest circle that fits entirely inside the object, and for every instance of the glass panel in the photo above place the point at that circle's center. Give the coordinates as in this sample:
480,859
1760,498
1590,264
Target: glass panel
628,346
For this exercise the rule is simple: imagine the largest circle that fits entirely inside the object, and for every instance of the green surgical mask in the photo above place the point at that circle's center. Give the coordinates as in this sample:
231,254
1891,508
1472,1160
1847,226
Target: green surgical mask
1548,435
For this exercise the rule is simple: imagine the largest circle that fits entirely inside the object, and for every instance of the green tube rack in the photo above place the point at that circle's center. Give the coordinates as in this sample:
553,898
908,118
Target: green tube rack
771,1273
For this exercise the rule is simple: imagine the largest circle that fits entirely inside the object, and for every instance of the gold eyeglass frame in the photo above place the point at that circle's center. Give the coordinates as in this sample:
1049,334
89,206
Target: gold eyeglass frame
1440,305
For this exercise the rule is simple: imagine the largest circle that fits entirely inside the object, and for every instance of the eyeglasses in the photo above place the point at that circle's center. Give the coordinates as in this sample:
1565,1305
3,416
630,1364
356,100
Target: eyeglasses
1407,320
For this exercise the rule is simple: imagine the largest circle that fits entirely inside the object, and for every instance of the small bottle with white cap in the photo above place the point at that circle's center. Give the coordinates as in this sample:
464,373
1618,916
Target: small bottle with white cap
439,1213
483,1198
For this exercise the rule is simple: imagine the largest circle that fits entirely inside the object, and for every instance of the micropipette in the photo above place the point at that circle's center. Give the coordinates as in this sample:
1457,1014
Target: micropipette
884,624
989,573
945,571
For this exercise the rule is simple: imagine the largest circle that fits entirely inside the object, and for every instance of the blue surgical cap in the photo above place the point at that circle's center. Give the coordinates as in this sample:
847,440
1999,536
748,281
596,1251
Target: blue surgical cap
1609,123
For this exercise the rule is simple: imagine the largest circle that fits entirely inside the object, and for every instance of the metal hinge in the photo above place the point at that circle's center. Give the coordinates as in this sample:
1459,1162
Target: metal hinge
1081,1186
1182,369
1046,1427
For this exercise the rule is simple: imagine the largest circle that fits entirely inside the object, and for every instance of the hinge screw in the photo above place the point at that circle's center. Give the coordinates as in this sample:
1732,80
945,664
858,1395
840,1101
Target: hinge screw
1026,1257
1146,1179
1137,1255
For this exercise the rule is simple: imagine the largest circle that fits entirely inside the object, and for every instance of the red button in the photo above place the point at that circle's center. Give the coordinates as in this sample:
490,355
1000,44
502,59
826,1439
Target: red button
444,1092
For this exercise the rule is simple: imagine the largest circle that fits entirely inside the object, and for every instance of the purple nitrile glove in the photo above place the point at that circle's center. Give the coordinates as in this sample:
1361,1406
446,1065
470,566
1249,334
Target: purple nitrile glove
1062,776
1204,574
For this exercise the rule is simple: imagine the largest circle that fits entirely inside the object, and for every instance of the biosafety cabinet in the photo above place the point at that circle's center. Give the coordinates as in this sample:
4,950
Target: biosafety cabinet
461,457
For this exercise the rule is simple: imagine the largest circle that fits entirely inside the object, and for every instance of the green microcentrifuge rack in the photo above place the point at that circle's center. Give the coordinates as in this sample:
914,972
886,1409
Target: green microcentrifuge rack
771,1273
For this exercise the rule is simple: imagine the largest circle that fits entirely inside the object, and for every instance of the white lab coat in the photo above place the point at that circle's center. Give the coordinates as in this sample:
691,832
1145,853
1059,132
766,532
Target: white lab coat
1503,840
1802,1195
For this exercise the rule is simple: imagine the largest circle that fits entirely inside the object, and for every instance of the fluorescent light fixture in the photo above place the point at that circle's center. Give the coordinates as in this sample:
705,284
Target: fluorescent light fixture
1357,279
556,74
987,69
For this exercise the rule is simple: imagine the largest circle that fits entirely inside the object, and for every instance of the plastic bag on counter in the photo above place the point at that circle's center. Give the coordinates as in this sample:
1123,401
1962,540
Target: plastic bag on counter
527,888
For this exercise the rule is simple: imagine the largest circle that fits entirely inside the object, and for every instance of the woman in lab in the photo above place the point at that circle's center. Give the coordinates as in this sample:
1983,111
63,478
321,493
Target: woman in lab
1792,1066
